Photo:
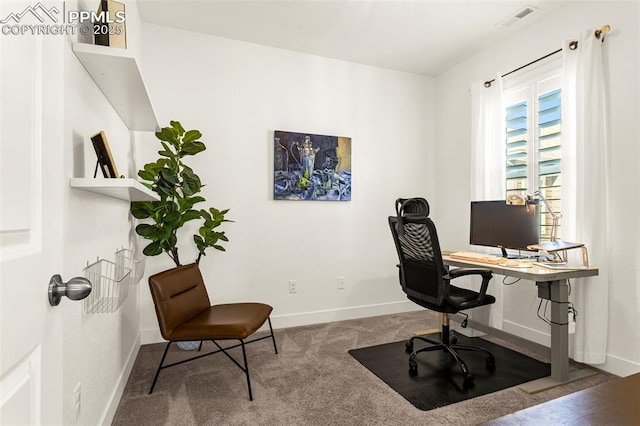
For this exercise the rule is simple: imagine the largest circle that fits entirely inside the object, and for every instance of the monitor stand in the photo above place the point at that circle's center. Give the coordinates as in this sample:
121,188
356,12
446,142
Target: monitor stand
507,255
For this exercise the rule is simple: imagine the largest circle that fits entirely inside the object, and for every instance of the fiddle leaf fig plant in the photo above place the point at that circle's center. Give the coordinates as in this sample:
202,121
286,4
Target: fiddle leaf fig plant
177,186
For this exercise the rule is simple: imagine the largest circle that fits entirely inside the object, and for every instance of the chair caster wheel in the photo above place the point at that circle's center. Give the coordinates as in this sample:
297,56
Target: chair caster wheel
413,368
468,381
491,363
408,346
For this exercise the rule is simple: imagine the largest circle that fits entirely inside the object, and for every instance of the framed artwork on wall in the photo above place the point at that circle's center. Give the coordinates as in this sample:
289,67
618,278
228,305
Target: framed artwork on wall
311,167
105,160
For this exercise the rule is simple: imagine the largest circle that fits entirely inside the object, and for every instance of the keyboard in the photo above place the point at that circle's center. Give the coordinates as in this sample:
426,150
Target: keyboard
476,257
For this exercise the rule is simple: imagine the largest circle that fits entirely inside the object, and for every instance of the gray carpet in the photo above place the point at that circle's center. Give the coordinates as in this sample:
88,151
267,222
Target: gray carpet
313,381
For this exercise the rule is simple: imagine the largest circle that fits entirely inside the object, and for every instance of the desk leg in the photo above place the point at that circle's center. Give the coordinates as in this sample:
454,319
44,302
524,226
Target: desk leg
559,331
557,292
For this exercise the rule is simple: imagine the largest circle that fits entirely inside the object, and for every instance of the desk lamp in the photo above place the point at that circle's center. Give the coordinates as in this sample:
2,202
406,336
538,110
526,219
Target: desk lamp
554,245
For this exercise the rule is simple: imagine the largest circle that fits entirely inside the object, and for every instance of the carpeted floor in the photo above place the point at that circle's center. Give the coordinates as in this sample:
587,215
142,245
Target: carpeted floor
313,381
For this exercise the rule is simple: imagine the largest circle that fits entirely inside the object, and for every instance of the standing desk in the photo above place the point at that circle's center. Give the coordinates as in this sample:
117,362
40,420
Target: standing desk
552,285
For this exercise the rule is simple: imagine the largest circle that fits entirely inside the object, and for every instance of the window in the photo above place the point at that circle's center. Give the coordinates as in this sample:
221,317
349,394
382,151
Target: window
534,143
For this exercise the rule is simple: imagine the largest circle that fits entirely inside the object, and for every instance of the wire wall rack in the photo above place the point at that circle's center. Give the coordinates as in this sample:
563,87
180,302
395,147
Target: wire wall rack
127,259
110,286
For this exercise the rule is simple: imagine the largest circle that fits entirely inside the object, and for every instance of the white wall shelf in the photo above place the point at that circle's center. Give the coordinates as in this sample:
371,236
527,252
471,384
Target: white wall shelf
117,74
123,189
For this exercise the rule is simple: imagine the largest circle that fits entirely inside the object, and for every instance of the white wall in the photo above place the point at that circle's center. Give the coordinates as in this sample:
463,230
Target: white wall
454,129
237,94
98,349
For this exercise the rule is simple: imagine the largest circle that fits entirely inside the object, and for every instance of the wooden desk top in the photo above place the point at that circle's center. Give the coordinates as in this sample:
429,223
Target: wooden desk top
613,403
534,273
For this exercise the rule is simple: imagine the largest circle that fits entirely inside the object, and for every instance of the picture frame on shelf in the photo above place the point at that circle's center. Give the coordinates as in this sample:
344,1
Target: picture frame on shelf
110,27
105,159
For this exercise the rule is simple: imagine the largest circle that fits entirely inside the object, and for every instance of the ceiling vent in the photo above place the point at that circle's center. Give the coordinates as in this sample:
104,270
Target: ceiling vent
517,16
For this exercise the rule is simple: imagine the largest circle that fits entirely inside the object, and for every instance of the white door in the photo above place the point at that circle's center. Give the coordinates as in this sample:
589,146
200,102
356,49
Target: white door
31,179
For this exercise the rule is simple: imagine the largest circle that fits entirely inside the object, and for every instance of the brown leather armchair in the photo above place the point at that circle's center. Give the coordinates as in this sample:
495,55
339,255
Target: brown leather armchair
185,314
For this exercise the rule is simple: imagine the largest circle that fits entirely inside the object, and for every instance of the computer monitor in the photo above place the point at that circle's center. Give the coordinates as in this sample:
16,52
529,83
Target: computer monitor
502,225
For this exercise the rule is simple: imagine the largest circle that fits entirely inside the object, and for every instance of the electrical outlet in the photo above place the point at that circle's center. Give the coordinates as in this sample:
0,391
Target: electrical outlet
293,286
341,285
77,399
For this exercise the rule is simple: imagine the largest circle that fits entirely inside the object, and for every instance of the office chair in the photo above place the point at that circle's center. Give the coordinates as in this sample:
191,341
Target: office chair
185,314
426,281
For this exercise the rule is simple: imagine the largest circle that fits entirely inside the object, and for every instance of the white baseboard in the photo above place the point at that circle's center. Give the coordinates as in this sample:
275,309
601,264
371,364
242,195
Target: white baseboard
619,366
330,315
149,336
116,395
531,334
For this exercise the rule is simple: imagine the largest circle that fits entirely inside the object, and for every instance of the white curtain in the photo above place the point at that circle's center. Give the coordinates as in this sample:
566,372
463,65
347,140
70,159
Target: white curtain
488,162
585,188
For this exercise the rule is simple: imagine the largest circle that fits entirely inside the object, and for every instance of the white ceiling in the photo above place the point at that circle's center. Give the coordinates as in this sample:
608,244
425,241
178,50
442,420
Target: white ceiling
419,36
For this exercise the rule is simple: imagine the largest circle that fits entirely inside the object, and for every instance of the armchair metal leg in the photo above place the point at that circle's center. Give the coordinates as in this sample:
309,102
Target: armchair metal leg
273,337
155,378
246,370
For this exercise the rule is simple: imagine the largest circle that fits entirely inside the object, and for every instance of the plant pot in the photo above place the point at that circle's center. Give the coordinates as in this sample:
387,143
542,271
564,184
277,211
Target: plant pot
189,346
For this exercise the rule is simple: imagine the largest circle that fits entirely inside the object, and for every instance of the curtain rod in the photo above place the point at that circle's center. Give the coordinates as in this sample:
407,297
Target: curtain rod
573,45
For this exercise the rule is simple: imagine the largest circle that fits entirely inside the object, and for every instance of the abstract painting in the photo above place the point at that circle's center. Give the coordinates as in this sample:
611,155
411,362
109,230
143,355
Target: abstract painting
311,167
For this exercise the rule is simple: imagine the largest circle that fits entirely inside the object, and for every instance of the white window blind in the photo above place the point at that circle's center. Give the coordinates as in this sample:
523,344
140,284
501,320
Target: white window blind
533,139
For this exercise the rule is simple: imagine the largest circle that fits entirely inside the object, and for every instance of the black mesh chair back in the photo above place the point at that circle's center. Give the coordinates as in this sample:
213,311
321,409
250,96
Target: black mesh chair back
421,266
416,241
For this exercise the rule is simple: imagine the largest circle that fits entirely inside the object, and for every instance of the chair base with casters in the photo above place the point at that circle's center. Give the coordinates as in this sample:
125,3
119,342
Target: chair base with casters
244,367
448,344
185,314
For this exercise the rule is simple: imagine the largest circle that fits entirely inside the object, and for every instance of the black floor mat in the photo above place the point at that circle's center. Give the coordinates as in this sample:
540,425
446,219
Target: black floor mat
439,381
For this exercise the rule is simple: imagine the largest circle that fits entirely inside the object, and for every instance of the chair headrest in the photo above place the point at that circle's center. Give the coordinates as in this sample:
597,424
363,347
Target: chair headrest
410,207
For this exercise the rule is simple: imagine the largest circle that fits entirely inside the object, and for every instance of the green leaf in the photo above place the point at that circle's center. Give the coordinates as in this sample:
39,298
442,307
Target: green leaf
168,134
169,176
191,201
217,247
190,215
146,175
152,249
173,216
190,183
205,214
192,148
178,127
141,209
191,135
147,231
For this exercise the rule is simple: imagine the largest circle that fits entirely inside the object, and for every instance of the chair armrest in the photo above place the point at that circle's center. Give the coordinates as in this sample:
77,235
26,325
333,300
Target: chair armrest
485,273
461,272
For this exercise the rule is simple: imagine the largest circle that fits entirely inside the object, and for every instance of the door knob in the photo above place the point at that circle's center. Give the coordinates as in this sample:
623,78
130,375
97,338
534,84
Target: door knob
76,289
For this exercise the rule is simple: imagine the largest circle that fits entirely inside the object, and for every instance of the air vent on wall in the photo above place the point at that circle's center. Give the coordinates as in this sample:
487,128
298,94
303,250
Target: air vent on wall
517,16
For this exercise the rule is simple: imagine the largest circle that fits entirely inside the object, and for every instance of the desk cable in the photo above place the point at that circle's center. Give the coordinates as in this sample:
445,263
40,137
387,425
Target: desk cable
571,308
504,281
